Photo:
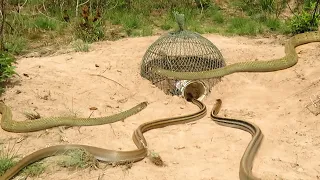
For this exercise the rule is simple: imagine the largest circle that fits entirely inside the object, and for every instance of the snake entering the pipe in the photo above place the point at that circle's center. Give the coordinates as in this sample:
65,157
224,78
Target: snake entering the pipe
107,155
246,163
290,59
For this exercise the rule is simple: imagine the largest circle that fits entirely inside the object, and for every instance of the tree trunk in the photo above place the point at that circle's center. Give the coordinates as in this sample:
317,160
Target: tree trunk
3,14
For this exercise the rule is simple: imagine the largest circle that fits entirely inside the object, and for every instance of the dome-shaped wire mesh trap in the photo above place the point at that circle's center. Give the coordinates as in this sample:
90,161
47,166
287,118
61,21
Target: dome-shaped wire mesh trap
183,51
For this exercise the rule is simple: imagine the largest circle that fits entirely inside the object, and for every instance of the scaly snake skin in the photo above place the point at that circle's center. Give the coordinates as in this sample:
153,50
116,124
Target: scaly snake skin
44,123
290,59
107,155
246,163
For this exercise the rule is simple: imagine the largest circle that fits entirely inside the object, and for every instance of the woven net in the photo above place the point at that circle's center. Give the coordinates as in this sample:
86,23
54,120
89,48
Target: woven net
182,51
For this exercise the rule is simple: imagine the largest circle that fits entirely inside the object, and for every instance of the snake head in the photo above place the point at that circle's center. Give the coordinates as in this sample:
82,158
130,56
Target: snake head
143,105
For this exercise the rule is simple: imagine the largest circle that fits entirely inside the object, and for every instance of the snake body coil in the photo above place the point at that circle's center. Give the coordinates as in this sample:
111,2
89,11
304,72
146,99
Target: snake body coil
290,59
107,155
246,163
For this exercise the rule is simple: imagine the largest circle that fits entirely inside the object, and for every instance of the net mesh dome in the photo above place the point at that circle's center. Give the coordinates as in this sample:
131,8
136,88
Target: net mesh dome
182,51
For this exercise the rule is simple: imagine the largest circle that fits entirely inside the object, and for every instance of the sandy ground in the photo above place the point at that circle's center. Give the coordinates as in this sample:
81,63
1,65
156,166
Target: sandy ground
275,101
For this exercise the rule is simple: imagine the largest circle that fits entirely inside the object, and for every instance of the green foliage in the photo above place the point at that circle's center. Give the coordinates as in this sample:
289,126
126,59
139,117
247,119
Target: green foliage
6,68
260,6
89,31
15,44
80,46
77,158
7,159
307,20
218,18
34,169
45,23
5,164
146,31
131,22
273,24
244,26
215,14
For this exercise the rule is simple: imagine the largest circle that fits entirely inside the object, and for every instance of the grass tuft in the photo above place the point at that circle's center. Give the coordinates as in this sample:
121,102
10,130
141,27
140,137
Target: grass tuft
77,158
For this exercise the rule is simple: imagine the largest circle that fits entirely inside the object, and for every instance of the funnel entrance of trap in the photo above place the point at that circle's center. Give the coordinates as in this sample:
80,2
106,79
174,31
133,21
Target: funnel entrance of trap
192,89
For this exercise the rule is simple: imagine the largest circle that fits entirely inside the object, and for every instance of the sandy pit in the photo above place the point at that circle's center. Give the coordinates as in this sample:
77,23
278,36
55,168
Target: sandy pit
277,102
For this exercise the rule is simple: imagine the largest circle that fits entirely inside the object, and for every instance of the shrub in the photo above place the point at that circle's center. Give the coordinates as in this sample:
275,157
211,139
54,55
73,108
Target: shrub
6,68
307,20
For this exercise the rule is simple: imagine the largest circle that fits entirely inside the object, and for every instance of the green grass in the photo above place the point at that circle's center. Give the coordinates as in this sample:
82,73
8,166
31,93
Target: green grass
8,158
6,163
77,158
80,46
138,18
244,26
167,22
16,44
7,69
72,159
34,169
216,15
44,23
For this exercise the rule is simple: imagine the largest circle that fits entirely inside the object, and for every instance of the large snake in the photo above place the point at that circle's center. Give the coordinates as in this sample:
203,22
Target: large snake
289,60
246,163
44,123
106,155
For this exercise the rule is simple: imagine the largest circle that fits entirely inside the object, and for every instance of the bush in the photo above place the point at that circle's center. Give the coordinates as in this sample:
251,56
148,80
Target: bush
89,32
89,28
6,69
307,20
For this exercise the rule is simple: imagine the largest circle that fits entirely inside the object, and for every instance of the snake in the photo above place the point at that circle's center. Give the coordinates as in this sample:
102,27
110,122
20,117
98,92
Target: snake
107,155
289,60
246,163
10,125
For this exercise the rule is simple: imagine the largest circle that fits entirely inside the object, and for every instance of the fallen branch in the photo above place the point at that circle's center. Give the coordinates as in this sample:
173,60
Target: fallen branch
108,79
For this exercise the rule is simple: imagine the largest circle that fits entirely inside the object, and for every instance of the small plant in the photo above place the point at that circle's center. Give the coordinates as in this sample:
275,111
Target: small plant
77,158
15,44
6,163
45,23
218,18
6,68
89,29
131,22
34,169
273,24
80,46
7,158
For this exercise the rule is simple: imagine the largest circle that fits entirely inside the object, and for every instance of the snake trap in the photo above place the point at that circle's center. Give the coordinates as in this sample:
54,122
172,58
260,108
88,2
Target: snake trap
182,51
